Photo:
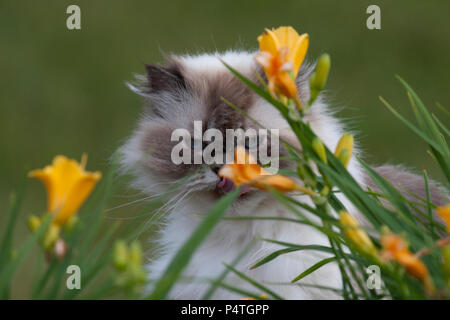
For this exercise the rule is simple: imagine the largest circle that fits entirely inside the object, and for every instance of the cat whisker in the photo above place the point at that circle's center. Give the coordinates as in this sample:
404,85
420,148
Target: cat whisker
128,203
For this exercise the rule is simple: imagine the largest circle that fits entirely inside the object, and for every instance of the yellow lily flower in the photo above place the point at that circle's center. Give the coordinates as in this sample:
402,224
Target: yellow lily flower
444,212
285,37
245,170
282,52
67,184
356,235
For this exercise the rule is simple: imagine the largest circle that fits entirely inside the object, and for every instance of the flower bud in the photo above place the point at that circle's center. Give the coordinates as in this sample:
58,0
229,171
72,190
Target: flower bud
319,78
34,222
321,74
444,212
356,235
306,175
71,223
121,255
136,253
446,262
344,149
319,148
138,275
60,249
51,236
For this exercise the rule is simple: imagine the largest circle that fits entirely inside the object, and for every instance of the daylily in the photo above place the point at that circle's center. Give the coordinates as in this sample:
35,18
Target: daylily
396,249
282,52
444,212
245,170
356,235
67,184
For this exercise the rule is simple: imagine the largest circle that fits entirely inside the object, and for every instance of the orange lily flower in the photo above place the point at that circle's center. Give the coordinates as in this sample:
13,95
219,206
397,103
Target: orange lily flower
282,52
67,184
444,212
396,249
245,170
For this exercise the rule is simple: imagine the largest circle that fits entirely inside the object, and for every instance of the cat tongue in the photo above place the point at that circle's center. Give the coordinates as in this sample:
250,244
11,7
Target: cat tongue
227,185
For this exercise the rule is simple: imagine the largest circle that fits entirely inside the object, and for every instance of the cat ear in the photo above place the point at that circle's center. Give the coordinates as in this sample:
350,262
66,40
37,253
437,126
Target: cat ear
164,78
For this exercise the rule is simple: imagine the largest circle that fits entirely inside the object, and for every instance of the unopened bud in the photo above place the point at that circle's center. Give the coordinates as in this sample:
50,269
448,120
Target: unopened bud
34,222
60,249
136,253
319,148
444,212
120,255
51,236
321,73
306,175
319,78
446,262
71,223
344,149
356,235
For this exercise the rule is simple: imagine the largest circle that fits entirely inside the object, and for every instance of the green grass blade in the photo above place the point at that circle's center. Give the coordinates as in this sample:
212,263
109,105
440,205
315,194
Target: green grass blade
316,266
429,206
254,283
244,293
13,214
428,119
280,252
11,267
440,124
222,276
410,125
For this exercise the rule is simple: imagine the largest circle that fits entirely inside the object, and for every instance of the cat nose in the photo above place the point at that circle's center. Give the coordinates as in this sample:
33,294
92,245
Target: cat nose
215,168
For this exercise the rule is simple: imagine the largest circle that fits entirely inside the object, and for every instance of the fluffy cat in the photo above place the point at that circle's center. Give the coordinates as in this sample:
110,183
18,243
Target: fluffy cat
189,88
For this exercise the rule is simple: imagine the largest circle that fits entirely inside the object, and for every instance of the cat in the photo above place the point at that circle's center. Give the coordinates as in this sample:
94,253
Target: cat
187,89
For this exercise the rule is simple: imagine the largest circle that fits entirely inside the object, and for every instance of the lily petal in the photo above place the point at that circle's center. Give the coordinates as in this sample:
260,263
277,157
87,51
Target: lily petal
269,42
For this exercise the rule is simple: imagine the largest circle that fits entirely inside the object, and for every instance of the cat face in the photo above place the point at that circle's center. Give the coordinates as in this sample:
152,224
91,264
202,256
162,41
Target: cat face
185,90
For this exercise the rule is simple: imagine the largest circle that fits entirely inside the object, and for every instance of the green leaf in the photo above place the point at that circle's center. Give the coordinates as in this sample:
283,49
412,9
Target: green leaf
316,266
12,266
13,214
254,283
294,248
221,277
410,125
244,293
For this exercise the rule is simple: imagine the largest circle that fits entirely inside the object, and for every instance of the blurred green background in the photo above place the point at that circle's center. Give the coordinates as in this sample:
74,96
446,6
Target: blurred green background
63,92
